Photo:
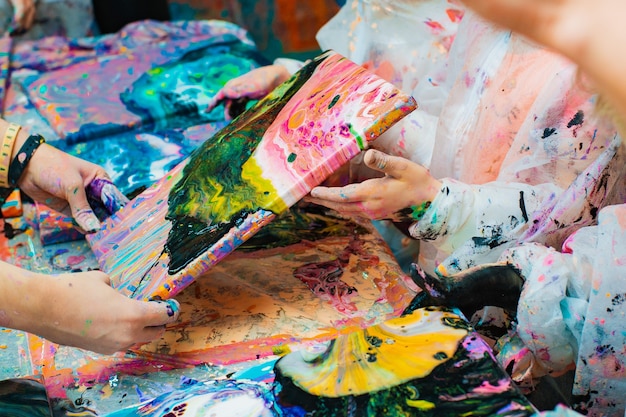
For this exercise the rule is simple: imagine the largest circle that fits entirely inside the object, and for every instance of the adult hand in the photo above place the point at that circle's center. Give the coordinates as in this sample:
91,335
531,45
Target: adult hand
58,180
405,188
252,85
586,31
82,310
23,14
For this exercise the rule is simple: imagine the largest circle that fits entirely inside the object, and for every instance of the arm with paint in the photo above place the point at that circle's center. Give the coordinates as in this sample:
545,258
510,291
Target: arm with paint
458,218
571,312
79,309
56,178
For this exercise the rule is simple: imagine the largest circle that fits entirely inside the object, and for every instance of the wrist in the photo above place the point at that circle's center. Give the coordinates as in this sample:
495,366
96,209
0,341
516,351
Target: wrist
426,194
24,149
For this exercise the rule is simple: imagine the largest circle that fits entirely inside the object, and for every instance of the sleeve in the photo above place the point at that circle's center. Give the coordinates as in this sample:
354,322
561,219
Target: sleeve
473,223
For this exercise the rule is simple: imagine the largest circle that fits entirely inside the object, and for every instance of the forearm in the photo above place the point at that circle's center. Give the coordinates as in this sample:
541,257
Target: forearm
21,298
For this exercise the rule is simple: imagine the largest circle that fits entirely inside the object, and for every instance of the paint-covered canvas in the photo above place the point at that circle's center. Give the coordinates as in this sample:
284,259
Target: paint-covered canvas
255,168
428,362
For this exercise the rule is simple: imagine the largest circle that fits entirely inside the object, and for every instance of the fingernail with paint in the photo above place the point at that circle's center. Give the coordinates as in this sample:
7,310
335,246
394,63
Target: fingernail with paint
172,307
92,224
87,221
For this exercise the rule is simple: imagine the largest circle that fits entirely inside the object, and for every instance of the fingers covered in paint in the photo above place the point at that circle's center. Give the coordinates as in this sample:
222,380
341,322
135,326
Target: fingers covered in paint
82,310
405,184
252,85
59,180
104,197
23,15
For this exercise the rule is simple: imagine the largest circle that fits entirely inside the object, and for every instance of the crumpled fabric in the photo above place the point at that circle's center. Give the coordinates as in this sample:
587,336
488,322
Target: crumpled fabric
500,120
571,312
525,160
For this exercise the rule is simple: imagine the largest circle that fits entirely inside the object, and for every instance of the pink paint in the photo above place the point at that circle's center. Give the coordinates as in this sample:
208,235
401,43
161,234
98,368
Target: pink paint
75,260
548,260
436,27
455,15
487,388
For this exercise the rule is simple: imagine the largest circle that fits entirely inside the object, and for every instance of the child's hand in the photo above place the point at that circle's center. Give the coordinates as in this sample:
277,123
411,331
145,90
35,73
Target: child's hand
253,85
404,185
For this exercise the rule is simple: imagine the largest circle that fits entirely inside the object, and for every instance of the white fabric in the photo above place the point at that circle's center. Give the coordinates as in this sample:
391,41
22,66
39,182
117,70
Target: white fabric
525,162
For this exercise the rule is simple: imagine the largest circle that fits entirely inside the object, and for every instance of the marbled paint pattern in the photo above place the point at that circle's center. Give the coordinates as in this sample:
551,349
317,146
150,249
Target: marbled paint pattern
274,170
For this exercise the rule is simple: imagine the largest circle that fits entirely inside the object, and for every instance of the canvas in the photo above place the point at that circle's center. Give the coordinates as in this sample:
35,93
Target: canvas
426,363
255,168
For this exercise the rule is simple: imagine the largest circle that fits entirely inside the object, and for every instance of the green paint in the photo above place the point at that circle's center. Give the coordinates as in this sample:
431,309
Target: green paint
419,211
291,157
357,137
88,324
333,102
297,225
212,196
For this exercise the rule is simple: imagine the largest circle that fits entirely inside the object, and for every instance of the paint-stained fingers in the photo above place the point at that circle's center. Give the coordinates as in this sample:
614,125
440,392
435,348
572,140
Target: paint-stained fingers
113,199
160,313
391,165
217,99
351,193
101,190
81,210
233,89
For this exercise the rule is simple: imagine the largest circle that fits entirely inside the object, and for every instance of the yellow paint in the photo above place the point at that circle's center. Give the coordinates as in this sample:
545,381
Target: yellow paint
281,350
379,357
297,119
421,404
267,196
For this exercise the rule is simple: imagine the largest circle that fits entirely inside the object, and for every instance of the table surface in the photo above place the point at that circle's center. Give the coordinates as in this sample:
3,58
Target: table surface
307,279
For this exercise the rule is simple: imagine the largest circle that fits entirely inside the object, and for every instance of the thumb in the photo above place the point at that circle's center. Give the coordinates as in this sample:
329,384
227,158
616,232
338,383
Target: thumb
81,210
161,312
387,164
